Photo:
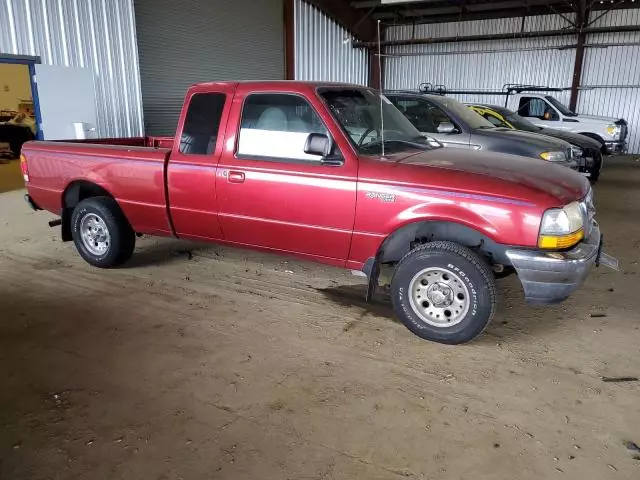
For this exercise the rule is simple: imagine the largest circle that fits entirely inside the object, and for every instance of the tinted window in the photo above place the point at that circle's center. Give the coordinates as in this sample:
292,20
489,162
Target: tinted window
470,118
200,131
277,126
495,120
422,114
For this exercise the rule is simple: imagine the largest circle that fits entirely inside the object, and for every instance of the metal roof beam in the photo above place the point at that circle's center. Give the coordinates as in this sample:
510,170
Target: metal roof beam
500,36
360,25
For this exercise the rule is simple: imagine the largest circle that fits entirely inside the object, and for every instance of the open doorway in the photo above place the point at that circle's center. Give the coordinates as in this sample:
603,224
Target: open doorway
18,122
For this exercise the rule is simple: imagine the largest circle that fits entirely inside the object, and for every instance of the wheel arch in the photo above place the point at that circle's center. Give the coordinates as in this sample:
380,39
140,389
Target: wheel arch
397,244
597,138
75,192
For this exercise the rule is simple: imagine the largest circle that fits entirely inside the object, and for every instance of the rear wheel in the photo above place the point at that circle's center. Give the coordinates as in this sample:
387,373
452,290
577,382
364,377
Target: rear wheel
101,232
444,292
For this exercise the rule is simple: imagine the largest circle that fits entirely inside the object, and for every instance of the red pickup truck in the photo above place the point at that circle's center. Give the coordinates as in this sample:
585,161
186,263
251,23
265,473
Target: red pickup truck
309,169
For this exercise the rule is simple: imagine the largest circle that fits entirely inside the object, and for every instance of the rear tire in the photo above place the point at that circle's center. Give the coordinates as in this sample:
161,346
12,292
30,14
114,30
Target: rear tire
101,232
444,292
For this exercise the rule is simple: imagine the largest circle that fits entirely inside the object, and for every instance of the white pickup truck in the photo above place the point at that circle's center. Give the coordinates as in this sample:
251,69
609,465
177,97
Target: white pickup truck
546,111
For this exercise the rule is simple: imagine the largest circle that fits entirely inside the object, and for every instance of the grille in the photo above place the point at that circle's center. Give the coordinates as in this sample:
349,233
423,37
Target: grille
576,152
624,129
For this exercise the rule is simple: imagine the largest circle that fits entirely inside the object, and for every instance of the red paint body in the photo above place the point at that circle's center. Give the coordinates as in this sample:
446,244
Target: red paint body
336,215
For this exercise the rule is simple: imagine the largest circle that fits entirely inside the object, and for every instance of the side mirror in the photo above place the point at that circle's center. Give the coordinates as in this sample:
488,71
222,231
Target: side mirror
446,127
317,144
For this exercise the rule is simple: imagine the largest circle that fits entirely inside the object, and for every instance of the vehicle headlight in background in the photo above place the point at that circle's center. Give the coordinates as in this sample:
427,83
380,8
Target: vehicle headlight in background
576,152
554,156
614,130
561,227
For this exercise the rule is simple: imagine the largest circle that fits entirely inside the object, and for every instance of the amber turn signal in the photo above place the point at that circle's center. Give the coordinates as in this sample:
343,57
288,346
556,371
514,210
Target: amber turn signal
558,242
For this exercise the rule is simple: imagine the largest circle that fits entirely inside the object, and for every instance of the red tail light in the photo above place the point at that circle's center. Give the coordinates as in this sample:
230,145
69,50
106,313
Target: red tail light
24,168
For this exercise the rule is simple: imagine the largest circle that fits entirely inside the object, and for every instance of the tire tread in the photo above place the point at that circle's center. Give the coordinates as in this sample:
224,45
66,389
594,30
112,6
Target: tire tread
470,256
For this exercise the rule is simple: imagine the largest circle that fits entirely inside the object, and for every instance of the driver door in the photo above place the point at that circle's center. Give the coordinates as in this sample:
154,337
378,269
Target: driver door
272,193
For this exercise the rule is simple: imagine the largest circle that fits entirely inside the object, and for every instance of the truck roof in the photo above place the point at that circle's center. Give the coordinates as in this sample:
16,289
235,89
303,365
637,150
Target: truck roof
262,84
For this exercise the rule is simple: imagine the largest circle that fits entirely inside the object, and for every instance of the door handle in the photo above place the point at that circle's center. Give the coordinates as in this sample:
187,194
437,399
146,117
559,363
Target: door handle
235,177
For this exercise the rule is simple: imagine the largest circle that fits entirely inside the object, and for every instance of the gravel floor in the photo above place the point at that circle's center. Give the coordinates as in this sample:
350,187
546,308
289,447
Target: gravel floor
206,362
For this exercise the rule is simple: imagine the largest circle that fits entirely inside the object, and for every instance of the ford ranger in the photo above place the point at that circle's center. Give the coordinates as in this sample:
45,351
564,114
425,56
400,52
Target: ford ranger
335,174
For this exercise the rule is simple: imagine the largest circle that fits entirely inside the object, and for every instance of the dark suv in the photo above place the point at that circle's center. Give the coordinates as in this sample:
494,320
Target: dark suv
455,125
586,150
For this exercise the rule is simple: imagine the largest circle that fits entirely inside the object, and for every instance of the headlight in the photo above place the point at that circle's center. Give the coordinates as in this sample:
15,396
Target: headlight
576,151
614,130
553,156
561,227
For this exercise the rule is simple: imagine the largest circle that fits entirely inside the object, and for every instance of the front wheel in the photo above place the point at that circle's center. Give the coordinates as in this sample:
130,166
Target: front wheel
444,292
102,233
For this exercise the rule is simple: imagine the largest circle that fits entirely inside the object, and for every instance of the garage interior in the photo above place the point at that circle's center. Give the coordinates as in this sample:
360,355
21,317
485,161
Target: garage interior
202,361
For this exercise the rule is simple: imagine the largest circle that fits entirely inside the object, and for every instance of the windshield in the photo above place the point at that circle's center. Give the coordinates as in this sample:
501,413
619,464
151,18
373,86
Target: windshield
560,107
518,122
357,110
465,114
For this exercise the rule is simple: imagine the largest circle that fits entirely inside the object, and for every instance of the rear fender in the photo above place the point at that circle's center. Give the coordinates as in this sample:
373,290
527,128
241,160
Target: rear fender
74,194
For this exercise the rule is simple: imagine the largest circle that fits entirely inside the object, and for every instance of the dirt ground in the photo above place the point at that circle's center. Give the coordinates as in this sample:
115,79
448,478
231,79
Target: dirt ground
202,362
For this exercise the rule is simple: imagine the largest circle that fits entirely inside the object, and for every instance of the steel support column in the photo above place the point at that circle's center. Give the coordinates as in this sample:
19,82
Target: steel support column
582,22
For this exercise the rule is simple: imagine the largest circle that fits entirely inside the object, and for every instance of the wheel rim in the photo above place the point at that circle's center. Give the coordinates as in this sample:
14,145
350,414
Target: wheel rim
439,297
95,234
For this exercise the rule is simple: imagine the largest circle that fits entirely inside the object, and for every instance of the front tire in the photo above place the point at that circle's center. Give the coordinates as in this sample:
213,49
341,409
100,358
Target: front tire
444,292
101,232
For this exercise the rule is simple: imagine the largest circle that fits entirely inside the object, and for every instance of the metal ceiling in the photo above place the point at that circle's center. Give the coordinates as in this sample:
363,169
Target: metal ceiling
402,12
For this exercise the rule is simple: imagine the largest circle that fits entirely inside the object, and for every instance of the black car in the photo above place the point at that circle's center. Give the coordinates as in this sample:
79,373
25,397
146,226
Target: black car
587,150
454,125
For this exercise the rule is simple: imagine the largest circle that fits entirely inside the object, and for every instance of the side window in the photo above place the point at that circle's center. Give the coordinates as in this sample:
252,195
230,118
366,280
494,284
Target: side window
495,121
423,115
201,124
536,107
277,126
440,117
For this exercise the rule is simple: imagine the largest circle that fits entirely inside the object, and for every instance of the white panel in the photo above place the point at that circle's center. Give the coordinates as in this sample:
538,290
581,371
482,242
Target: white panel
66,97
323,50
96,34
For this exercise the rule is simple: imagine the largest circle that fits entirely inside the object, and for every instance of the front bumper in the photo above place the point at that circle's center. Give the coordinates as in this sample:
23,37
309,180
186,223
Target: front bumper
614,148
550,277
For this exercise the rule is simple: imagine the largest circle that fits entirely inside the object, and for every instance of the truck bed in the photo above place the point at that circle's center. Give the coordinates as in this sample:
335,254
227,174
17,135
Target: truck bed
148,141
129,169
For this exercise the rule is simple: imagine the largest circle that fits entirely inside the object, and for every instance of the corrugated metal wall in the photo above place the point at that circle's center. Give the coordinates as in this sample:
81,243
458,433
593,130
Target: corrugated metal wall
619,66
490,64
485,65
97,34
190,41
323,49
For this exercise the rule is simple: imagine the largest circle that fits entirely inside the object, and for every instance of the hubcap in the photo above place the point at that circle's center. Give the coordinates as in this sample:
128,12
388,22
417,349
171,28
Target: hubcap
95,234
439,297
